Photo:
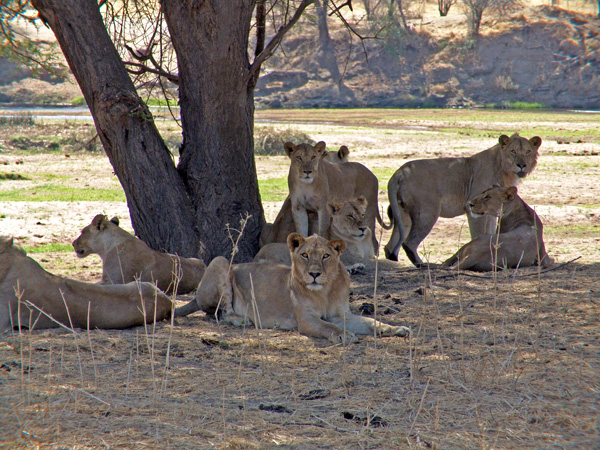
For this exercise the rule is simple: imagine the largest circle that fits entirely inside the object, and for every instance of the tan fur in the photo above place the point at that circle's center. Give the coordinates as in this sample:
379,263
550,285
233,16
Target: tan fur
314,182
117,306
126,258
520,239
283,225
422,191
347,223
311,295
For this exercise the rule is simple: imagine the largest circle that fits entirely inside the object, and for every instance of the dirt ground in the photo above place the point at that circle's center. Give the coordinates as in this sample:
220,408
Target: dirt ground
505,362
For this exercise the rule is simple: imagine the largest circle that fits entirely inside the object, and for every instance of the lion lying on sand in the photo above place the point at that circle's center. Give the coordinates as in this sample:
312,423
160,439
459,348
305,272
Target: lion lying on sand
421,191
70,302
311,295
347,223
520,239
126,258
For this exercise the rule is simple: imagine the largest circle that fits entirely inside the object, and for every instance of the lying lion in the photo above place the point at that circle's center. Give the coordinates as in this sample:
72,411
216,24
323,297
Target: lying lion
520,242
283,225
70,302
313,182
347,223
126,258
311,295
421,191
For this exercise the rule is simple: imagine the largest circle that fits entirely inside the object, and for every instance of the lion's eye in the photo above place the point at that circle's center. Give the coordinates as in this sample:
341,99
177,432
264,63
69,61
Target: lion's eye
298,158
529,152
312,157
514,152
487,197
326,256
349,217
304,255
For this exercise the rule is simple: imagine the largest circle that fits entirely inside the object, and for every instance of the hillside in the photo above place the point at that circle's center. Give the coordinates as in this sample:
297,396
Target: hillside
542,54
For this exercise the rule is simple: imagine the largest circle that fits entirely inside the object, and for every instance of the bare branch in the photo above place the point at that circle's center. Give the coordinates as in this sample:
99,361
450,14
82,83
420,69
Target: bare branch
142,68
347,3
274,43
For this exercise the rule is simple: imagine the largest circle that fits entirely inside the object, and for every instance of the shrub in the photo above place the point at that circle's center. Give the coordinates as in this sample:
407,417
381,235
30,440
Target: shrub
270,140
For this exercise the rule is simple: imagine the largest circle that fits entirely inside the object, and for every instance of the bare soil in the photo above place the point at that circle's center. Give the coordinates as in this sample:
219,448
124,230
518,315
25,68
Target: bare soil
506,361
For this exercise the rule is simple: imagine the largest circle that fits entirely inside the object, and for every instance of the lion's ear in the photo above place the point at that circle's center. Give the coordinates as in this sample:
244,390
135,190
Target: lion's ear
294,241
6,243
320,146
510,193
334,207
504,140
535,142
338,245
115,220
343,152
98,221
289,149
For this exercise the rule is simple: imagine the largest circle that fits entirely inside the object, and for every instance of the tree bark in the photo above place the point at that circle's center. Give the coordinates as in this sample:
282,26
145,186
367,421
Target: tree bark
215,184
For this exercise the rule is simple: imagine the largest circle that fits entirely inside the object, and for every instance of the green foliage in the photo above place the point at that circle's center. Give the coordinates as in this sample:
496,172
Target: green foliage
21,49
270,140
49,248
17,120
161,101
78,101
12,176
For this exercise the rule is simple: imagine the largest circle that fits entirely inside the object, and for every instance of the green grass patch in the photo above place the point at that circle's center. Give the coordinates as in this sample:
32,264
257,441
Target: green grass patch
161,102
573,231
49,248
273,189
49,193
78,101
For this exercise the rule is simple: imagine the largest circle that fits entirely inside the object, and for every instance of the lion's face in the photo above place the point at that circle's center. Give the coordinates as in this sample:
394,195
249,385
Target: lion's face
519,155
491,201
348,218
315,261
85,244
305,159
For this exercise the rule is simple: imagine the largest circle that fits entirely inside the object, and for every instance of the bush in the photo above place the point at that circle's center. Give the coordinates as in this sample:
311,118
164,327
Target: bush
270,140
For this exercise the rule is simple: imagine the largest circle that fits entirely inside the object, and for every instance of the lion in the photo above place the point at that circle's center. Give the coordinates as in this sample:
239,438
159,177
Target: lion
347,223
283,225
519,242
32,298
421,191
314,182
311,295
126,258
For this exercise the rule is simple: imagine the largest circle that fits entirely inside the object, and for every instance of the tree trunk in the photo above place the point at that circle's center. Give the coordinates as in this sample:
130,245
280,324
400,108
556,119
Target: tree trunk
160,209
175,209
216,95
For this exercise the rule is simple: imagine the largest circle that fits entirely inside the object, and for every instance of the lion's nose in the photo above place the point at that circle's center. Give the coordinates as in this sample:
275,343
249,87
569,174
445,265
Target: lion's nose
308,172
521,166
471,205
315,275
362,229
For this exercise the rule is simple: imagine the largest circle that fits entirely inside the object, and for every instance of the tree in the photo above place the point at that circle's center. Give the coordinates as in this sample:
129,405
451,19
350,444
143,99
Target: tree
474,10
214,186
444,6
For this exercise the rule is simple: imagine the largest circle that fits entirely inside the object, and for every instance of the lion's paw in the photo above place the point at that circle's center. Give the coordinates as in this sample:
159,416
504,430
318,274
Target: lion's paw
355,268
346,337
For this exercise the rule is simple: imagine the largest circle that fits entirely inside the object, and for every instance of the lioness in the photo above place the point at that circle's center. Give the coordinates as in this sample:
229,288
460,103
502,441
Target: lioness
423,190
313,182
283,225
70,301
126,258
520,240
347,223
311,295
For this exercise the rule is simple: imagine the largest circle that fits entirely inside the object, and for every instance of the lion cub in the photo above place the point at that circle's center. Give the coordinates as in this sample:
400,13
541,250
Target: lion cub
520,238
126,258
311,295
347,223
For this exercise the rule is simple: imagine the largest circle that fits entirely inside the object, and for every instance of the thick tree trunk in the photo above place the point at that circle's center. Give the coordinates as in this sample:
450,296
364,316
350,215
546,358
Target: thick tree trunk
161,211
217,111
215,185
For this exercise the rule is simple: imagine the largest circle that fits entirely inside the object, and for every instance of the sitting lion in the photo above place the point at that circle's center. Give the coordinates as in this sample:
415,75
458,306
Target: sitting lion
311,295
520,242
126,258
70,302
347,223
423,190
313,182
283,225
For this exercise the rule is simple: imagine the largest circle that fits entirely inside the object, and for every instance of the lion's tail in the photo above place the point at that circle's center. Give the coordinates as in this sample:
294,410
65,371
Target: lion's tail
187,309
395,216
382,224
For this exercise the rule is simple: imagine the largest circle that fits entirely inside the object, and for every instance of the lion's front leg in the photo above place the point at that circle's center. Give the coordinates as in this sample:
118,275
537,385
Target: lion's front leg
310,324
324,221
300,216
366,325
479,226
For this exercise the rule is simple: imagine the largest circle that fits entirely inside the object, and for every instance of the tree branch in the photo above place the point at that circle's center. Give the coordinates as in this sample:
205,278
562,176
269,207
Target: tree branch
142,68
274,43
